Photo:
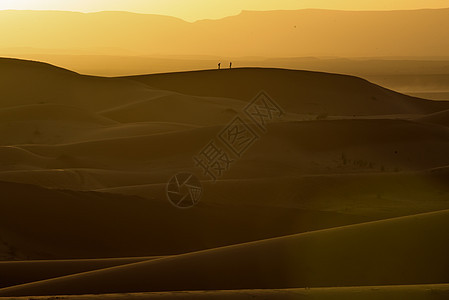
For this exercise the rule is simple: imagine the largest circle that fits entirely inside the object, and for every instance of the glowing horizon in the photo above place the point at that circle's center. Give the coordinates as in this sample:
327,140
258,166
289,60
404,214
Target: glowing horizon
191,10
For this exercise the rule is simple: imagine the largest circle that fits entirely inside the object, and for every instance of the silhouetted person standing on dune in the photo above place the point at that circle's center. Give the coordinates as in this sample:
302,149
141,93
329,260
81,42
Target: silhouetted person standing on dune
230,65
219,66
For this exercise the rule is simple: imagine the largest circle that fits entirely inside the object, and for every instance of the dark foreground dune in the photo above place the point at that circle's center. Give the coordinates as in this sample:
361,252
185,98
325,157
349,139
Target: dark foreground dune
19,272
401,251
410,292
438,118
61,224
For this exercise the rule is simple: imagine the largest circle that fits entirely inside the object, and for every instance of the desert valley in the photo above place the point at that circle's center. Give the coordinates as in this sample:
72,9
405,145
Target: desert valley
342,194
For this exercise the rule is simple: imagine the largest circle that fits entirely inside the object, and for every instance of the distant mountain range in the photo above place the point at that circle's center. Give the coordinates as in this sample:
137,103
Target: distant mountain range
251,33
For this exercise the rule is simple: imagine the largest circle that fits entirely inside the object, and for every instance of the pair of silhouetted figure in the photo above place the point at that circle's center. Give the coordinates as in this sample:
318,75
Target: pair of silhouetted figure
230,65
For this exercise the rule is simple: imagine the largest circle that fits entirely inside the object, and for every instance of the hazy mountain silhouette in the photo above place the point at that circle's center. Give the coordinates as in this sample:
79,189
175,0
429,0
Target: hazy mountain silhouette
272,33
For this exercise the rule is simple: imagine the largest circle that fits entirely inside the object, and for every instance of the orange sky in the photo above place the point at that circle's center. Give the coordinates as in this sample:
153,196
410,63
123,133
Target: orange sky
199,9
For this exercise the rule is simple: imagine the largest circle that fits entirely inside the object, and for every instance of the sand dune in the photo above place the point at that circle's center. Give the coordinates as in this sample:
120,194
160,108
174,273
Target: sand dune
440,118
79,178
407,250
12,158
87,92
178,108
57,124
67,224
47,124
316,92
53,112
288,148
429,95
134,129
19,272
84,163
380,195
411,292
297,91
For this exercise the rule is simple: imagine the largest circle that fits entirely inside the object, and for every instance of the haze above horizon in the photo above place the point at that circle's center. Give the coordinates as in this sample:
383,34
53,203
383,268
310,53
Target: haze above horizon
192,10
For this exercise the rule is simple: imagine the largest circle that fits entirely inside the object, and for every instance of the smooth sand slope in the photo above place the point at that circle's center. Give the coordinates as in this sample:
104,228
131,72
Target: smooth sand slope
49,84
51,112
178,108
67,224
19,272
58,124
48,124
439,118
379,195
297,91
123,100
315,147
406,250
410,292
301,92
